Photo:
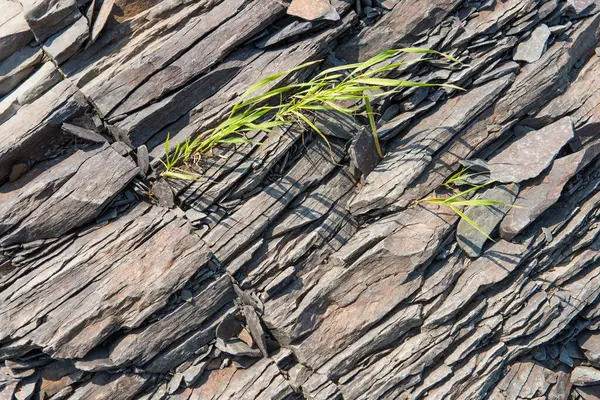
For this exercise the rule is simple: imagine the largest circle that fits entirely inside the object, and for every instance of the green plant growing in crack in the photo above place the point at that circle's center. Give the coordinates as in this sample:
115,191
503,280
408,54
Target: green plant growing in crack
462,198
354,83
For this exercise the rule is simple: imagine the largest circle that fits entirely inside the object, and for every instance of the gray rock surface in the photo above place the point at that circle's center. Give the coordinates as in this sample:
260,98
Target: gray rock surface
332,286
469,238
533,48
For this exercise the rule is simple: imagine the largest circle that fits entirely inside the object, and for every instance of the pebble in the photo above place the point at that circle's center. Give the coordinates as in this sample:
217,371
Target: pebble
187,296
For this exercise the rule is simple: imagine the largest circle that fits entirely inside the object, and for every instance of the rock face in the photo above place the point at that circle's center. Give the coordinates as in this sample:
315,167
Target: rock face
298,269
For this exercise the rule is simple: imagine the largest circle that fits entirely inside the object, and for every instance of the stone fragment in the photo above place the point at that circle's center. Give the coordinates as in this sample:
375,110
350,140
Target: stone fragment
585,376
67,42
256,329
17,67
560,29
337,124
163,193
18,170
503,69
288,32
589,341
83,133
544,191
497,262
470,239
32,88
14,30
312,10
101,18
531,153
28,134
533,48
363,152
582,8
187,296
143,159
46,17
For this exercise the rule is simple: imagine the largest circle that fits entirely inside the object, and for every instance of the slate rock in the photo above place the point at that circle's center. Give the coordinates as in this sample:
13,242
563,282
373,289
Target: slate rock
533,48
531,153
312,10
163,193
46,17
14,30
487,219
582,8
101,18
18,170
337,124
363,152
83,133
143,159
66,43
56,197
585,376
544,191
503,69
256,329
589,342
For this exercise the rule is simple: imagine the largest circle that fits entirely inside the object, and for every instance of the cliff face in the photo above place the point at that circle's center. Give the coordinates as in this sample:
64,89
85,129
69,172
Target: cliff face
284,272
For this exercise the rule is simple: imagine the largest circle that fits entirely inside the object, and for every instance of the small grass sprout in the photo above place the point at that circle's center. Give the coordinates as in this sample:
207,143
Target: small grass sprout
461,199
298,103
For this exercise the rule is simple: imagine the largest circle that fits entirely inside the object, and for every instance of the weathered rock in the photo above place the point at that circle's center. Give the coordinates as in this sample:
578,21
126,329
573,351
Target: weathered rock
143,160
48,17
312,10
582,8
84,313
14,30
469,238
36,85
585,376
533,48
590,344
37,125
163,193
100,21
543,192
531,153
16,68
413,152
54,198
364,152
83,133
67,42
399,28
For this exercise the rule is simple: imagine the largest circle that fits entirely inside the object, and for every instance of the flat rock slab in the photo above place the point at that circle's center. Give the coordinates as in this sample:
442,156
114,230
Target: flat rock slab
111,278
585,376
531,153
470,239
533,48
543,192
312,10
54,198
37,126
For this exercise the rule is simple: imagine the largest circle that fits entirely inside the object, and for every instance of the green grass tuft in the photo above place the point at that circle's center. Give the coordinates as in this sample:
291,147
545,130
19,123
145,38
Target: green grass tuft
297,104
